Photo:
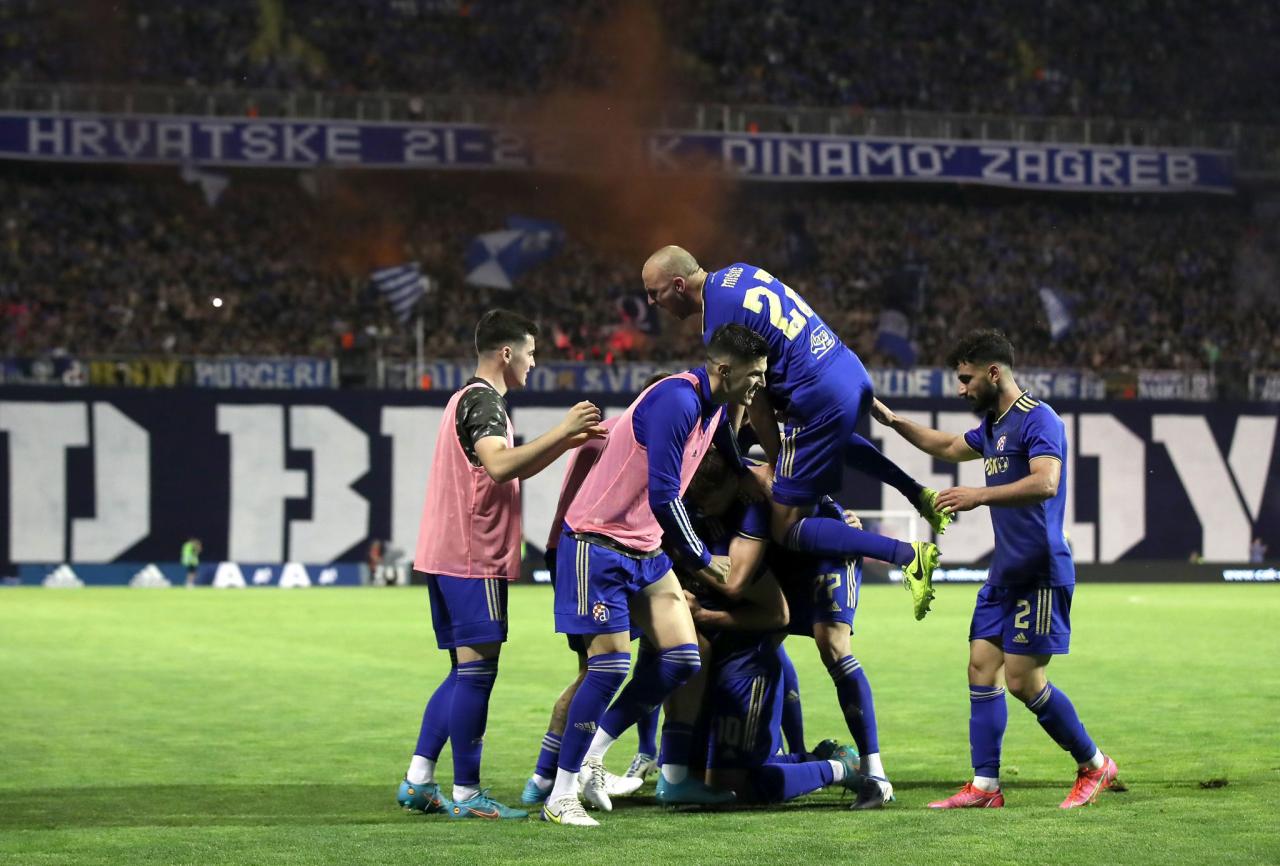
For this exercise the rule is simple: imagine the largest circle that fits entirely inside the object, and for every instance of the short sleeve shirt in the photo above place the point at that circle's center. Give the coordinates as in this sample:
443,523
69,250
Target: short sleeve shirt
481,412
1030,545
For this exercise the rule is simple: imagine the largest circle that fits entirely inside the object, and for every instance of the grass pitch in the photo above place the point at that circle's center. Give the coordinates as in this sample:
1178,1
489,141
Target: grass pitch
269,726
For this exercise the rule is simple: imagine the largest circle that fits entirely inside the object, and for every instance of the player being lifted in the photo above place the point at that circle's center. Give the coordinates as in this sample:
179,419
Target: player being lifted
1023,614
469,547
822,389
610,563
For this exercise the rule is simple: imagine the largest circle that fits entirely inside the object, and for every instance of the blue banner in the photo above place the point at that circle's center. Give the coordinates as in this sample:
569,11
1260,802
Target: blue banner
779,157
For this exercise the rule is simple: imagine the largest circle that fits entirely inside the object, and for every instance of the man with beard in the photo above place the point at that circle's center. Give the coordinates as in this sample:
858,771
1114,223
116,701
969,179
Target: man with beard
1023,614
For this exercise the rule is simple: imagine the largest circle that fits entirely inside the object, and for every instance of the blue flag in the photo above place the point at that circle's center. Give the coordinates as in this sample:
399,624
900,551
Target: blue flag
497,259
402,286
1057,311
893,337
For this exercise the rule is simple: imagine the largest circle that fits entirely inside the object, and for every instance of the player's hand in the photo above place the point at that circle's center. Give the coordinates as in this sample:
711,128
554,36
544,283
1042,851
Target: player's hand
583,418
955,499
851,519
716,572
757,484
596,432
701,616
882,413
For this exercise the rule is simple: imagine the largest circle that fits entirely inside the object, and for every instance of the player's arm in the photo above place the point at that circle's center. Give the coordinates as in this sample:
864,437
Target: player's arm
764,608
951,447
1040,484
662,424
746,555
765,422
504,462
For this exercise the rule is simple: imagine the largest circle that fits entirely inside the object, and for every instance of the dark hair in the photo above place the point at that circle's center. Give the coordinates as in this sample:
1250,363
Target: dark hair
985,346
712,474
738,342
498,328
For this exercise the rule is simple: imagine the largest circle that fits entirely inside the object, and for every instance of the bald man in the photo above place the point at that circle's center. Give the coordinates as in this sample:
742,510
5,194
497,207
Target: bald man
823,390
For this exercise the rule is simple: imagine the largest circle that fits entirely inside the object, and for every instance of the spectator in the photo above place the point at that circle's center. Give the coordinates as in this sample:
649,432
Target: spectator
1174,60
101,263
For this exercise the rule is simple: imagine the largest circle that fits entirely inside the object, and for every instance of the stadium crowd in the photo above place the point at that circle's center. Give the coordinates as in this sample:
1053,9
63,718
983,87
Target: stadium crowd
126,264
1175,59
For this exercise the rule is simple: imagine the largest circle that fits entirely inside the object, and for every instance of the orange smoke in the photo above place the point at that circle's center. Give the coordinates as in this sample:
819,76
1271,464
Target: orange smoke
619,206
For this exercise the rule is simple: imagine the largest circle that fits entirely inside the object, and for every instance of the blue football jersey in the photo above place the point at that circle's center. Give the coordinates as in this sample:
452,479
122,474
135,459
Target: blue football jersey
802,349
1030,545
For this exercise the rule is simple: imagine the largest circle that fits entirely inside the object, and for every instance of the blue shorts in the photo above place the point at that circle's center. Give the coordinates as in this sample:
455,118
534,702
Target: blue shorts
818,591
811,460
467,611
745,709
576,643
1025,620
594,585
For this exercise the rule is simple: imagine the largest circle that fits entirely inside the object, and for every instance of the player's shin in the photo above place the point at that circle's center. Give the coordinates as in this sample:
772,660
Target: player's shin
650,684
777,783
1057,715
792,712
468,716
434,732
605,674
826,536
853,690
988,718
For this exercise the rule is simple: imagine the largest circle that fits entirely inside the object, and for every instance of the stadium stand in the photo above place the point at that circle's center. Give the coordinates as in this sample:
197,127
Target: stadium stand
107,261
1172,60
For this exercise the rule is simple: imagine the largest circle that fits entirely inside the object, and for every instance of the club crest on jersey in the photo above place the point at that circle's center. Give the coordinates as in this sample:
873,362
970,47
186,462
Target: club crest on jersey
600,612
1000,443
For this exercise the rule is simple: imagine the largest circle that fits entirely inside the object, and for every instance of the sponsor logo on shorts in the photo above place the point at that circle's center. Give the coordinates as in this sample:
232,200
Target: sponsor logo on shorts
1020,638
600,612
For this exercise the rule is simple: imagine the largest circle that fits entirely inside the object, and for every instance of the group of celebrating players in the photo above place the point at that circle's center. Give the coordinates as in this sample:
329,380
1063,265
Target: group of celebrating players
667,532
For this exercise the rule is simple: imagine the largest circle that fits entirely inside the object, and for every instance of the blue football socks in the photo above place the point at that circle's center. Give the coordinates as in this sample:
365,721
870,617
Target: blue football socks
1057,716
827,536
468,717
988,717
